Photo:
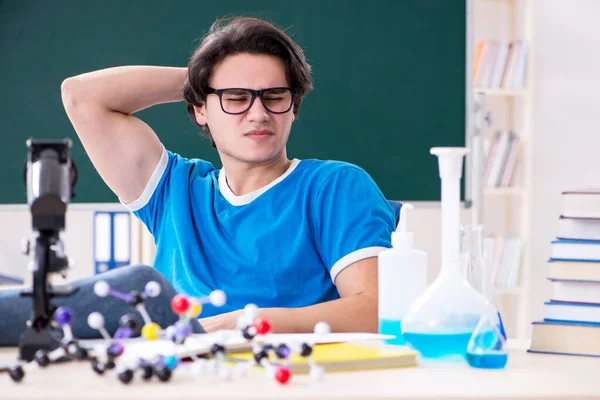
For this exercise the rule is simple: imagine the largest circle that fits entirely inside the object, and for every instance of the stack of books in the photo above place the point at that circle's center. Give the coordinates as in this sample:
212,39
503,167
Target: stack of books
571,322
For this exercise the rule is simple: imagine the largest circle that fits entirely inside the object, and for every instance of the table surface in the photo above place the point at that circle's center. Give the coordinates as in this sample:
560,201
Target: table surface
526,376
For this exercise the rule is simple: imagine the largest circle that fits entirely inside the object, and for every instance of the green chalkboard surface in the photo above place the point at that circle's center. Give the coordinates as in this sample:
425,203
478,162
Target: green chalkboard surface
389,79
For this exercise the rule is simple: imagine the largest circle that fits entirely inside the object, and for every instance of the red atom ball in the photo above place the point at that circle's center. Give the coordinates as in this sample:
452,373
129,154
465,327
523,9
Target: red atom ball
282,375
262,326
180,304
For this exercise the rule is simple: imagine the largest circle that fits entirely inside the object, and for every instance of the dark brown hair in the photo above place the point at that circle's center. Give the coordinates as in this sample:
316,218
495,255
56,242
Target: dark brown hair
237,35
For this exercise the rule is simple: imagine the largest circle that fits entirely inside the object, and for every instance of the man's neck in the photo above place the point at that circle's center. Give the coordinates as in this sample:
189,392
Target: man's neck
244,178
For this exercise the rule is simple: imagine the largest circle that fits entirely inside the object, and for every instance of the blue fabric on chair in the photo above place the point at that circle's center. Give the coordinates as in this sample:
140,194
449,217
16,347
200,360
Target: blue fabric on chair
396,205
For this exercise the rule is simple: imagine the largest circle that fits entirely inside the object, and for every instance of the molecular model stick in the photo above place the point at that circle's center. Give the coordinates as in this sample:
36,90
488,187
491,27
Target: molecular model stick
68,349
254,328
186,308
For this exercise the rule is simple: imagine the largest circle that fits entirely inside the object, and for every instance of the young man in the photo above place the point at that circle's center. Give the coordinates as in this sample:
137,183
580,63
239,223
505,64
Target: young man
298,238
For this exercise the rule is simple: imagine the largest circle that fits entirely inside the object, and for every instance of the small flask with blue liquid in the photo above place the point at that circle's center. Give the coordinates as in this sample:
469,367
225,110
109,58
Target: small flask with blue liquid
487,346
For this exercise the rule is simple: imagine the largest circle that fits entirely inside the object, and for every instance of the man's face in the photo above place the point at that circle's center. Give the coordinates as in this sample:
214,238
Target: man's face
256,135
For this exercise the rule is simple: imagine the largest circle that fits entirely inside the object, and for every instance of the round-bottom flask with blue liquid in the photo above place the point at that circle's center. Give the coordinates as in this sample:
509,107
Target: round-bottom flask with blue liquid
441,322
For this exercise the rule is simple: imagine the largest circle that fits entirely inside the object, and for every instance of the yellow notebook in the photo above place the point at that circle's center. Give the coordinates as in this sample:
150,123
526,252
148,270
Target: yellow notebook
347,357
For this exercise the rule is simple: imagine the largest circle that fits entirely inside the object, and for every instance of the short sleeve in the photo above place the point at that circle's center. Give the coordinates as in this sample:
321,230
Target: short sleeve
352,219
169,182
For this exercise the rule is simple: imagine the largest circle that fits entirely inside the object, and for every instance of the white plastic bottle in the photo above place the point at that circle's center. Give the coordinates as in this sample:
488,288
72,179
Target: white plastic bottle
402,279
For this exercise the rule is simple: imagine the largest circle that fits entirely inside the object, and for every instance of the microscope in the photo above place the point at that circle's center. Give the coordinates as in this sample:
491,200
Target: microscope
50,176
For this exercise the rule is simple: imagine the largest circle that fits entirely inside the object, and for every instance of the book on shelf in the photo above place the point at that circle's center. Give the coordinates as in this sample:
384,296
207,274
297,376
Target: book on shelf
500,64
581,203
571,322
506,261
501,152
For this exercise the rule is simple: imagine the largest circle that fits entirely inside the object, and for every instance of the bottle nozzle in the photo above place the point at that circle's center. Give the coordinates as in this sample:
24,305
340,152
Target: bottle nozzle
401,238
402,220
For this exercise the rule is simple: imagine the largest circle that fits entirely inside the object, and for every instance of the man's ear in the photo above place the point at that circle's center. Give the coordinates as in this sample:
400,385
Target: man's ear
200,114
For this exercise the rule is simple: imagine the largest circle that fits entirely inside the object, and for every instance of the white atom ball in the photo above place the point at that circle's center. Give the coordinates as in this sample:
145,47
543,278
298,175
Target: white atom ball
217,298
251,312
95,320
322,328
152,289
101,288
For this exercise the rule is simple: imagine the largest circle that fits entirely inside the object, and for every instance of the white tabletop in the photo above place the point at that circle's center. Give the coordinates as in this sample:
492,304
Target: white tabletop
526,376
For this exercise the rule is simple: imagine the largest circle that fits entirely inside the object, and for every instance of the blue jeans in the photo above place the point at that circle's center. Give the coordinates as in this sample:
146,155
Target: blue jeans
16,310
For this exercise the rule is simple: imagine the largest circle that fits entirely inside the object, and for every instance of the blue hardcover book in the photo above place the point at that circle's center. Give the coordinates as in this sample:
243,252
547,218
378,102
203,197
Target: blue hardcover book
575,250
568,338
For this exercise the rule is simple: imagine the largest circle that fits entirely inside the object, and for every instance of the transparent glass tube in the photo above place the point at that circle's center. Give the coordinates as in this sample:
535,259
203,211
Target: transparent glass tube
473,263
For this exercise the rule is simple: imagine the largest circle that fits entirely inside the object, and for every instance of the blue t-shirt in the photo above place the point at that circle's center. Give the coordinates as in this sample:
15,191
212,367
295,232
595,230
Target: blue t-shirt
280,246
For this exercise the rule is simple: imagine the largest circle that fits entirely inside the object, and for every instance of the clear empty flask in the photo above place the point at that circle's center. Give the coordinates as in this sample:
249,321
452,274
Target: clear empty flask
472,255
489,277
441,322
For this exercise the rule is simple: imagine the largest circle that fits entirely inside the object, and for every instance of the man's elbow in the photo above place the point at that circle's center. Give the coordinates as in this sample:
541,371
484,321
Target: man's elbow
71,92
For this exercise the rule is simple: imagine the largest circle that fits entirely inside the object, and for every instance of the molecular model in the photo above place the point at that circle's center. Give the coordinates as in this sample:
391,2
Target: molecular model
254,328
161,366
69,347
273,357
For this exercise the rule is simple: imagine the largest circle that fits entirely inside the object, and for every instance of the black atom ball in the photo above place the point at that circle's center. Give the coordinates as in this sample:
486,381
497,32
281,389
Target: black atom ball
126,376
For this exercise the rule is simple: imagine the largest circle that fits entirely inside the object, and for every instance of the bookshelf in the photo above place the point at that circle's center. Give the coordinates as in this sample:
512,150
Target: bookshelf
502,35
501,92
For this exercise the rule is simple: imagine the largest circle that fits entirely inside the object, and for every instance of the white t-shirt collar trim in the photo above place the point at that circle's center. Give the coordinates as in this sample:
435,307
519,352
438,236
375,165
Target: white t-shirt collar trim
249,197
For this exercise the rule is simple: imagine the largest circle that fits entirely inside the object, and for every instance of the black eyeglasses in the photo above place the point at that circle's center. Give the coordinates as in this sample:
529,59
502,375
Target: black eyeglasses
276,100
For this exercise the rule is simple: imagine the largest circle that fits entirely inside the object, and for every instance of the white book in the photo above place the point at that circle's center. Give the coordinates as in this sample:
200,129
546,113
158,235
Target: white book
576,291
510,65
575,250
484,62
579,228
511,162
572,312
499,156
581,203
490,63
499,64
518,78
515,259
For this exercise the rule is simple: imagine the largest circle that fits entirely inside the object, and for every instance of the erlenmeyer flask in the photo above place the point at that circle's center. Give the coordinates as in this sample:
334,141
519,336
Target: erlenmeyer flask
487,346
441,321
489,277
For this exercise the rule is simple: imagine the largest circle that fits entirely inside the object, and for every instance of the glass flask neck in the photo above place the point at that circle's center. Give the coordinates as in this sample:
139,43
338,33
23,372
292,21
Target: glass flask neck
472,256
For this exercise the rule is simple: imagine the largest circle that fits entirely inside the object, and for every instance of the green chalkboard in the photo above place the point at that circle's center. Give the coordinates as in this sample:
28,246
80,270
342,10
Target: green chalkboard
389,79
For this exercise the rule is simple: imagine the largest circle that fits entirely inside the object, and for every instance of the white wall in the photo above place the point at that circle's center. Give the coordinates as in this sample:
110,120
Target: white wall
566,118
78,238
